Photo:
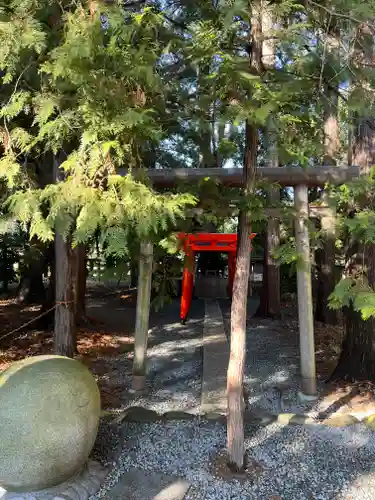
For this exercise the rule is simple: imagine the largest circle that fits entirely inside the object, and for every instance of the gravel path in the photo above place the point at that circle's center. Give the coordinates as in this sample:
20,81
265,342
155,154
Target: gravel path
174,360
174,355
298,463
174,377
272,366
310,462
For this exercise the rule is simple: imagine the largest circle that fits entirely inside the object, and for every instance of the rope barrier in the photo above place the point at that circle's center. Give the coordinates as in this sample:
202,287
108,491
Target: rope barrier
58,303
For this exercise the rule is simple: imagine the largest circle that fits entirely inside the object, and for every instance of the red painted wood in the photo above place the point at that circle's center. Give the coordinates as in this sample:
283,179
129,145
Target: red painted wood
187,284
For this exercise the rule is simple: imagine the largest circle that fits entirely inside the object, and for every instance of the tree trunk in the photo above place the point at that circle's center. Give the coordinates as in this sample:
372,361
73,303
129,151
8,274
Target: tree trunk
48,318
133,275
270,301
270,306
326,264
263,308
80,275
206,127
235,422
357,359
65,341
326,256
235,425
31,287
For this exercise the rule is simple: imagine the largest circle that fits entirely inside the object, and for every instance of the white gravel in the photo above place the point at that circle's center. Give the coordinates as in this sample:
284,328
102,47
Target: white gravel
174,366
299,463
272,372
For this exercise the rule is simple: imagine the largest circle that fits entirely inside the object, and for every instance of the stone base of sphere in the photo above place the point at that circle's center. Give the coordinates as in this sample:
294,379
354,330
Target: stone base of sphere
80,487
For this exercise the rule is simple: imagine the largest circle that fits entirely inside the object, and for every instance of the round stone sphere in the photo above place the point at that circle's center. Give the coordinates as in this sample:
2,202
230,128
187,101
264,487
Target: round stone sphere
49,417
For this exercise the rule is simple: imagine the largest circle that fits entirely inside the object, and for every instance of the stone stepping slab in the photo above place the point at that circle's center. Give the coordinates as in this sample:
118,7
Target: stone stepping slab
136,484
215,360
139,414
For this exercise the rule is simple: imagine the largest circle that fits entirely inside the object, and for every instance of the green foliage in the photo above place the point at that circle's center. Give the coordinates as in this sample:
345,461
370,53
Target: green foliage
356,203
9,169
167,84
90,94
166,277
357,293
287,252
82,211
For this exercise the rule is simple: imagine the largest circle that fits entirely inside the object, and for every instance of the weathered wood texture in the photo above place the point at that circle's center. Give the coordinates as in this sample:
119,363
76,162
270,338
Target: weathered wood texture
142,315
305,302
235,420
65,341
284,176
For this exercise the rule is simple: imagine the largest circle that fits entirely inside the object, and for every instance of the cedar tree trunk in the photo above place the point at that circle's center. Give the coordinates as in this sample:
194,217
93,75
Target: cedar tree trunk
80,275
31,287
326,256
235,425
235,422
65,341
270,302
357,360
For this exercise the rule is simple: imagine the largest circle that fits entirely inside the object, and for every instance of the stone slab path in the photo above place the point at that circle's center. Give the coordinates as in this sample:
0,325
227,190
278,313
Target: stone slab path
215,360
136,484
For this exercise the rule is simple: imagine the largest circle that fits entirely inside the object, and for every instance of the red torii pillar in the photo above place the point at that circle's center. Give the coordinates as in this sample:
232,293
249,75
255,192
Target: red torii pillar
209,242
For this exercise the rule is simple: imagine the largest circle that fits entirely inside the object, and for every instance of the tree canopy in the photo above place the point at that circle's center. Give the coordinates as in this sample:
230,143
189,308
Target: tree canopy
92,86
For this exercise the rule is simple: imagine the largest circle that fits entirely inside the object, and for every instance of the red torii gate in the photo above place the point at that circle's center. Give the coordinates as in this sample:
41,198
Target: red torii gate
205,242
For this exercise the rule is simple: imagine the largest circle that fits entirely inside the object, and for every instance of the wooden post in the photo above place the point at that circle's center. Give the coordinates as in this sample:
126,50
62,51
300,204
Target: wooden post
142,315
305,305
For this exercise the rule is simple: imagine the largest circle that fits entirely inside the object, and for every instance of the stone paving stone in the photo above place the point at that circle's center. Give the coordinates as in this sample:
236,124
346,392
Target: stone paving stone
137,484
215,360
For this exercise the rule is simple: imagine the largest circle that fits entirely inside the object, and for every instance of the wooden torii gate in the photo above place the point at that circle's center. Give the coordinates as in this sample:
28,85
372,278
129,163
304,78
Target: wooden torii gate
298,178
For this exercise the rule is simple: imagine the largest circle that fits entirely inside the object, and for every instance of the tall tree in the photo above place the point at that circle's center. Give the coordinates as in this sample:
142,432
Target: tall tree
326,255
97,106
235,425
357,290
270,305
65,336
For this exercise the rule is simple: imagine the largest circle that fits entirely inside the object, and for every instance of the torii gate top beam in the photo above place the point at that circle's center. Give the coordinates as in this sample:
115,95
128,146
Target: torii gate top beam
233,177
213,242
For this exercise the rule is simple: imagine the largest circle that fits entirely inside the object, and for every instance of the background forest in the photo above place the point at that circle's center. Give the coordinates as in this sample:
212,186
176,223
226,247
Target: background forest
95,92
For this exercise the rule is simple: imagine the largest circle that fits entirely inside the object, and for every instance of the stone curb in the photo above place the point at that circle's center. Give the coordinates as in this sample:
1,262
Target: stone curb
139,414
80,487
